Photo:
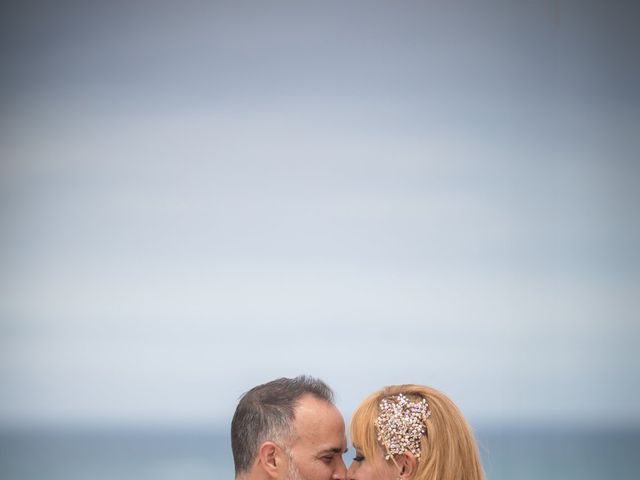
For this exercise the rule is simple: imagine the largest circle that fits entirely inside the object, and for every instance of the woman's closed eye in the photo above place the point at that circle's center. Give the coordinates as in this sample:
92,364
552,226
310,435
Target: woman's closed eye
358,458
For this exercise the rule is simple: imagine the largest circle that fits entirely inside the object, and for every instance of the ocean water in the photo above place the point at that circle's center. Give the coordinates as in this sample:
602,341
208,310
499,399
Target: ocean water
192,455
560,454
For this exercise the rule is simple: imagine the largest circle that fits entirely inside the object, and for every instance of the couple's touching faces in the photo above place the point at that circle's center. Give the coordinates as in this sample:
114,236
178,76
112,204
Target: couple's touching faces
317,446
290,429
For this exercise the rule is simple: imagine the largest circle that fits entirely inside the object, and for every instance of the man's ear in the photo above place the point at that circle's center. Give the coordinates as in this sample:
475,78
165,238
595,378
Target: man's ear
408,464
270,459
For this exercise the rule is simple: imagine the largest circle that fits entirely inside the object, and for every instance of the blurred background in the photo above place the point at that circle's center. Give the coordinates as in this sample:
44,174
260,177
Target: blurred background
198,197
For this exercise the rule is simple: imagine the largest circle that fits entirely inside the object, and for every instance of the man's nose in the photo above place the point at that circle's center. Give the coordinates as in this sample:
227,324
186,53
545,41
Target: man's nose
341,470
349,471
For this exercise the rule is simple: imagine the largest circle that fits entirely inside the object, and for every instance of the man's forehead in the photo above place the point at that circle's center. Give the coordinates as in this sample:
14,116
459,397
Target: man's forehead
312,409
320,423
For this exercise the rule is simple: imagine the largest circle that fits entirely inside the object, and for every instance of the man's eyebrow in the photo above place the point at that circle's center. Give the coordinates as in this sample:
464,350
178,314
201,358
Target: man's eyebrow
334,450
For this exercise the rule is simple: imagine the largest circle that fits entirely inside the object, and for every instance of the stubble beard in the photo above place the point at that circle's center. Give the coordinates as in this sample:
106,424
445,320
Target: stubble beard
292,471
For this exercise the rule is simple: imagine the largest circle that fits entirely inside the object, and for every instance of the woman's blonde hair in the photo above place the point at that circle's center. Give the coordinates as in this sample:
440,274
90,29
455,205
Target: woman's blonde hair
448,450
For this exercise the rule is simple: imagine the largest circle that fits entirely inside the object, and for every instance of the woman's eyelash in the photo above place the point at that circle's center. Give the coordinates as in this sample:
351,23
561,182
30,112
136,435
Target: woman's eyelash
358,458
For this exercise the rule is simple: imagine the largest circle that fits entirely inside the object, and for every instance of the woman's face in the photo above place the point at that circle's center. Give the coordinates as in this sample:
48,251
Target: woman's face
376,468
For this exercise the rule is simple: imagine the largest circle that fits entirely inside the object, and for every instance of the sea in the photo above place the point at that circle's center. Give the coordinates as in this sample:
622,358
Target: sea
507,454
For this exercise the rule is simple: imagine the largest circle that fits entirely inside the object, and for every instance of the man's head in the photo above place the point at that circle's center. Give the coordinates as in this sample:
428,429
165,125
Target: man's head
288,429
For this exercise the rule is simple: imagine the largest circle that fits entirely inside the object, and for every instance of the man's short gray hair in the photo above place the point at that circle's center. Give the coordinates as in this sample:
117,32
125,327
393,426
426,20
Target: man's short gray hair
267,412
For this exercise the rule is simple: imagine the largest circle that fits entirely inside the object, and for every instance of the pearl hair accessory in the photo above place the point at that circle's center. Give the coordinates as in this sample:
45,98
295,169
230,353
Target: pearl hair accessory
401,424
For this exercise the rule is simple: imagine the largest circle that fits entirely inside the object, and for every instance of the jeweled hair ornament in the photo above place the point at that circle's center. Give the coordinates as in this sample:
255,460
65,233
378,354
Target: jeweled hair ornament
401,424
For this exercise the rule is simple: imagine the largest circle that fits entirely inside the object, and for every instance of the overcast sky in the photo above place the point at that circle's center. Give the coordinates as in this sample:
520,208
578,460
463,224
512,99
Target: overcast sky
197,197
